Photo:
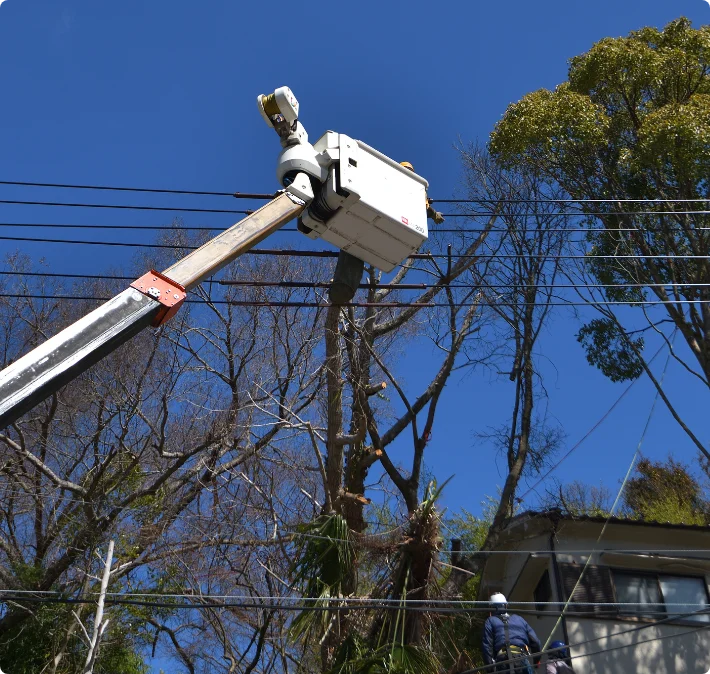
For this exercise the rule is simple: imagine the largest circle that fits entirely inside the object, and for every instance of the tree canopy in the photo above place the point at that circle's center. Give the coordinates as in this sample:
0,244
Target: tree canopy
628,135
633,119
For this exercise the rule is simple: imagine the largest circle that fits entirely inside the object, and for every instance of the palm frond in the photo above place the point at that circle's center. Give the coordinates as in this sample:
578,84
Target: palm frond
324,558
353,658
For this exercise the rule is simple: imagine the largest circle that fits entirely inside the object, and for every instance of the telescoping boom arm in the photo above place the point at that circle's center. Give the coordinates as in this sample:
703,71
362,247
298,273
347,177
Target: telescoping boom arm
150,300
340,190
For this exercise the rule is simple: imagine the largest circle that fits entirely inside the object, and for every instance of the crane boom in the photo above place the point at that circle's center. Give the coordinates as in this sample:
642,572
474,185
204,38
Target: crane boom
61,358
350,195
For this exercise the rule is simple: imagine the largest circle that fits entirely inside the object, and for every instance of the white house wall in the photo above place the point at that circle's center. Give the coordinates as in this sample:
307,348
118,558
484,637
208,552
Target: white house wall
678,652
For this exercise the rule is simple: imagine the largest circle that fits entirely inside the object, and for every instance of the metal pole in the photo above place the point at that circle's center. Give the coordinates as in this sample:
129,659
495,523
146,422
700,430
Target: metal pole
99,623
57,361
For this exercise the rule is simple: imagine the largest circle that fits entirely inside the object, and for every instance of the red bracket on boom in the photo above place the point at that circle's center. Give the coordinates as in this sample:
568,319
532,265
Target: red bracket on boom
164,290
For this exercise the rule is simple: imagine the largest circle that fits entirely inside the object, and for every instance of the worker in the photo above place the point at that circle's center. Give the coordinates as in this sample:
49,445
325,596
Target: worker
508,640
431,212
348,270
558,660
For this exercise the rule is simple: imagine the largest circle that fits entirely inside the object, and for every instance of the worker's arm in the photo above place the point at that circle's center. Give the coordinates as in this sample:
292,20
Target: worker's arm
488,655
432,213
533,643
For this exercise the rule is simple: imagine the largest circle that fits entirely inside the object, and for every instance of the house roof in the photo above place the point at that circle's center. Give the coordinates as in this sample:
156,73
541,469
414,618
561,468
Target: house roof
558,515
533,523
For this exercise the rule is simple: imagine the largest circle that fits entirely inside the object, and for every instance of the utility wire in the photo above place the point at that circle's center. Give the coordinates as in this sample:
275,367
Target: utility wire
334,254
575,214
610,636
293,533
286,601
571,201
639,643
473,214
121,206
432,230
147,228
199,602
395,305
366,286
238,195
269,196
489,213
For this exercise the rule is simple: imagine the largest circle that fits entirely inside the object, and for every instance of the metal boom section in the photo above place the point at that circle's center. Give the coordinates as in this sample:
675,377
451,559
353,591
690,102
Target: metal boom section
47,368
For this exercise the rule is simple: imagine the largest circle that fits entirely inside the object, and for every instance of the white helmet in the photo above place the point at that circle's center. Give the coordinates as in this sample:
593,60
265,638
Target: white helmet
499,602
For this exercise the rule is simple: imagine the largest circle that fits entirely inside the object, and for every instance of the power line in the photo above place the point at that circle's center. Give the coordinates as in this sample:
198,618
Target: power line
323,603
692,614
382,305
238,195
269,196
432,230
201,602
127,207
366,286
135,207
334,254
576,214
547,230
147,228
571,201
291,534
609,649
639,643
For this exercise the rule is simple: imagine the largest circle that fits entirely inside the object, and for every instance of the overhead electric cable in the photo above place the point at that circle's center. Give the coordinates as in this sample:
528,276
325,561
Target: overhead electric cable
432,230
559,214
321,603
238,195
392,305
572,201
269,196
293,533
127,207
334,254
366,286
489,213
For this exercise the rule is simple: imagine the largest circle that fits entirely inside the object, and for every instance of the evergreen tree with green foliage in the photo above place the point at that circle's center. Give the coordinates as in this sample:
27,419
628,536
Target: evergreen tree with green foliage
665,492
34,645
632,124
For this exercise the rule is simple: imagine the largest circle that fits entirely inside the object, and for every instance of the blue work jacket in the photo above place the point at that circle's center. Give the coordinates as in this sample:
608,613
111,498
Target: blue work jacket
521,634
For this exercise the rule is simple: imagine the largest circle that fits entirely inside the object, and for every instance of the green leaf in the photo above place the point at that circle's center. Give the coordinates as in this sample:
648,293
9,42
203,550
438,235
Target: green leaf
609,351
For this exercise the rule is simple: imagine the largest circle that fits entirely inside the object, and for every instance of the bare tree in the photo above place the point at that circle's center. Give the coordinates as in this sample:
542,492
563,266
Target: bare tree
172,446
519,285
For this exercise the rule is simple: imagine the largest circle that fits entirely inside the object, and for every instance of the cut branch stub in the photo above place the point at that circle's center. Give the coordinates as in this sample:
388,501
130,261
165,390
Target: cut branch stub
375,388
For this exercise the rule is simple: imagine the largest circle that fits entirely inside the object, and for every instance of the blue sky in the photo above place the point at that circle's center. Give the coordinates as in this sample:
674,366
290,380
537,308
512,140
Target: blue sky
163,94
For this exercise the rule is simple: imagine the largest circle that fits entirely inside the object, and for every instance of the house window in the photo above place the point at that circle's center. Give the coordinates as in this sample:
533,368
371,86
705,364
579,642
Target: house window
543,593
661,596
589,595
639,595
609,593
